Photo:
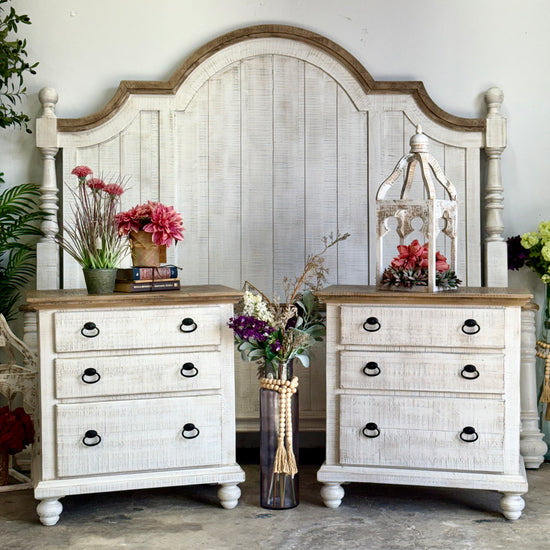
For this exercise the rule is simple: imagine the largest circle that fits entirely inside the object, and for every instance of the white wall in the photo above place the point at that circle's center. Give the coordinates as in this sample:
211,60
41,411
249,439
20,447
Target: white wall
457,48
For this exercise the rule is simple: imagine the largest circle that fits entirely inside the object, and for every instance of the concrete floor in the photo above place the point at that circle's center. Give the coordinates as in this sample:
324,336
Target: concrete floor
371,517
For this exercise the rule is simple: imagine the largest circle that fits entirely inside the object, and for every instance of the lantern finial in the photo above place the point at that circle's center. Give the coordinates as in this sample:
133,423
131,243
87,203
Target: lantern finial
419,142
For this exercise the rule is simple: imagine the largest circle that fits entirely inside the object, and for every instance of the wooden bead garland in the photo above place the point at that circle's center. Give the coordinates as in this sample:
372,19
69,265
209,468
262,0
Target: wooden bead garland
543,351
285,460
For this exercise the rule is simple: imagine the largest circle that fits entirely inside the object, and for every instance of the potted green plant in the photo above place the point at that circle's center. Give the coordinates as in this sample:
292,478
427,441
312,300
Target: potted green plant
19,216
92,238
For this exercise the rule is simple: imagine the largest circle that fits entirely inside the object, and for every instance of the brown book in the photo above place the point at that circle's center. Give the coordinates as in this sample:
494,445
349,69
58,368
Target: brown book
147,273
153,286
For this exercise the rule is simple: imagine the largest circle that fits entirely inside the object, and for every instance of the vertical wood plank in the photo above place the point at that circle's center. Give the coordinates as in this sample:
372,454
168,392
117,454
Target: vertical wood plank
455,170
257,172
130,163
149,157
168,169
472,218
288,177
321,164
192,151
392,148
353,192
109,159
224,200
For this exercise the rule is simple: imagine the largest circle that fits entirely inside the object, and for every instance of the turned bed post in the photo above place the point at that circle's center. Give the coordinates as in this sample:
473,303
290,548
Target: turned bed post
532,446
496,262
47,251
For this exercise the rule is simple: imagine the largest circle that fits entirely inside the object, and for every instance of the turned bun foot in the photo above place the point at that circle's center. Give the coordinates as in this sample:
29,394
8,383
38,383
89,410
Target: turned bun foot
49,510
229,495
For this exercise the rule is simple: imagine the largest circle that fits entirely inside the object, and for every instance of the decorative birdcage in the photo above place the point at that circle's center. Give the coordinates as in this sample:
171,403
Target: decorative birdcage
419,265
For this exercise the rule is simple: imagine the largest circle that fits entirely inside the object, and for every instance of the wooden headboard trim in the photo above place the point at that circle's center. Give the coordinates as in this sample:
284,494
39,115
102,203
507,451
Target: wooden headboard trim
134,87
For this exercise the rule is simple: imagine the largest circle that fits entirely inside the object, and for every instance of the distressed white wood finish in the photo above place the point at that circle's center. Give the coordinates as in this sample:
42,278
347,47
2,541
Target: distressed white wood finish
419,420
138,435
265,140
124,374
401,326
439,372
140,403
138,328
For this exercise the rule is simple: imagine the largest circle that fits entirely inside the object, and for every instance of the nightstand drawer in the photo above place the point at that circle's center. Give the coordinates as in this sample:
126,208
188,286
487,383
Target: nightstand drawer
137,374
441,372
148,434
96,329
422,326
419,432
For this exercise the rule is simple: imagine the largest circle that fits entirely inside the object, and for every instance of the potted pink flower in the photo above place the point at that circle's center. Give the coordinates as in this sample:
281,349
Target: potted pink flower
91,237
151,228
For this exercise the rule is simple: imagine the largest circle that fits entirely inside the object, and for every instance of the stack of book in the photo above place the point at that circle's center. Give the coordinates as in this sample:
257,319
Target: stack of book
147,279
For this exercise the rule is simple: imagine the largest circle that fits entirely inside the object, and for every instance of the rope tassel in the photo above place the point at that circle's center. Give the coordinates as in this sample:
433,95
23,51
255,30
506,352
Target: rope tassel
543,351
285,460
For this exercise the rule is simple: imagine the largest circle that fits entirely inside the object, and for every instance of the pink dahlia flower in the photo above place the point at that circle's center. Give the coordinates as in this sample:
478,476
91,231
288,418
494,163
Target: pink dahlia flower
129,221
165,225
81,171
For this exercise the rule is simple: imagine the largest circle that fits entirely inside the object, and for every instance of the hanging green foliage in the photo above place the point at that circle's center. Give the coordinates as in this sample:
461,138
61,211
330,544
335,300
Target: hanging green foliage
13,67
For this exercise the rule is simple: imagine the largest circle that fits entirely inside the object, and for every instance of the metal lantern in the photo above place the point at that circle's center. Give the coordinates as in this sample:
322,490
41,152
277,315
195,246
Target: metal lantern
437,216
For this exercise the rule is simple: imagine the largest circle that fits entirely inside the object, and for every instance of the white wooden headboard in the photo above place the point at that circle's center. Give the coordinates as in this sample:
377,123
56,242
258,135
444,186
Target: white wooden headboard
266,139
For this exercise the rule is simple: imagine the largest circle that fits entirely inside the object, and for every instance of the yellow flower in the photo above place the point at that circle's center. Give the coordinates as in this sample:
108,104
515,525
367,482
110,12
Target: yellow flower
545,252
544,230
545,278
528,240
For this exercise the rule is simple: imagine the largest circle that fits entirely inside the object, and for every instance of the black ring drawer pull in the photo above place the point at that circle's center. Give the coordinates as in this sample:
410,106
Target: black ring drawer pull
470,326
91,434
188,325
371,427
188,370
469,372
89,373
471,433
192,429
89,327
371,369
372,324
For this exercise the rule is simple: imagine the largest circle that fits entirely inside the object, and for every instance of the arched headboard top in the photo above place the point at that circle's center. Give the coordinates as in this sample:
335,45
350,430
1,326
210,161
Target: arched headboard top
279,128
350,65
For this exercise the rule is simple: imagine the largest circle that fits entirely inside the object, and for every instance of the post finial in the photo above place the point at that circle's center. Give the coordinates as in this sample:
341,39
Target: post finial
494,98
48,97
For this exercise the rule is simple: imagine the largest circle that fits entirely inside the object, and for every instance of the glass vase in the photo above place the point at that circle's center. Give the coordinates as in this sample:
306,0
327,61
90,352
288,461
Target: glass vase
543,349
278,491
